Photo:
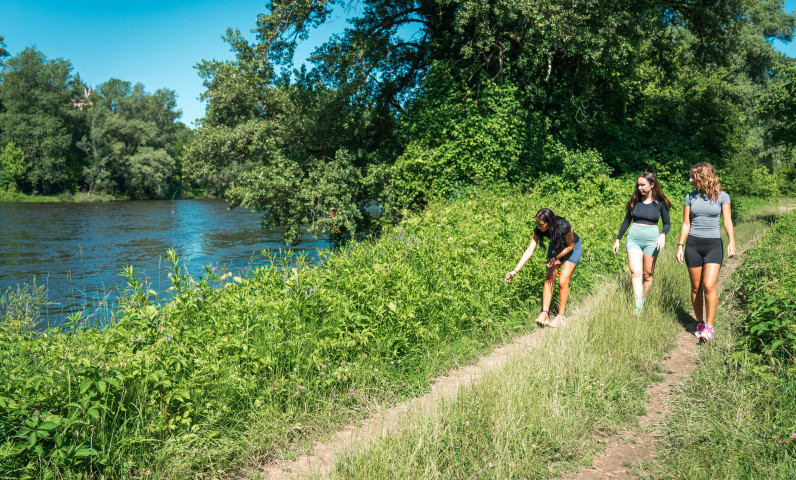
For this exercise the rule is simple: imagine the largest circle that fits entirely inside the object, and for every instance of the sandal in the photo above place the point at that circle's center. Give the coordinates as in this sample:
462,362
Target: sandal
559,321
543,319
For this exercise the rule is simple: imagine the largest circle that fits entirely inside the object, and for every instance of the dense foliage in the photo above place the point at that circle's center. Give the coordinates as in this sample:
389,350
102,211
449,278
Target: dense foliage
422,98
186,379
768,283
58,135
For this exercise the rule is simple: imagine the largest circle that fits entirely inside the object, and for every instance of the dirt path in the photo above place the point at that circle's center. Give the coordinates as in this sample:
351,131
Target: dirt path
324,454
626,452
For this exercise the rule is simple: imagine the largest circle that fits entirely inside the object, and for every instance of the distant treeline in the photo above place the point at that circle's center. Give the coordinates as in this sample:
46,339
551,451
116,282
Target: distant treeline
59,135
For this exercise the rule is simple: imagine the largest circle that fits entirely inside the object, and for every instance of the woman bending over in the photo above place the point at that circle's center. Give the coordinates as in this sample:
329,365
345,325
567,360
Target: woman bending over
645,207
564,252
704,249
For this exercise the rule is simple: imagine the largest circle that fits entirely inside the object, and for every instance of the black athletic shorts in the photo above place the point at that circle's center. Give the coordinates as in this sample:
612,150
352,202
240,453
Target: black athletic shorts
699,251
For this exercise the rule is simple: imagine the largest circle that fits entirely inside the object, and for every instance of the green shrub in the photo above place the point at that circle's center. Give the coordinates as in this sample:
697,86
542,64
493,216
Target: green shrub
767,284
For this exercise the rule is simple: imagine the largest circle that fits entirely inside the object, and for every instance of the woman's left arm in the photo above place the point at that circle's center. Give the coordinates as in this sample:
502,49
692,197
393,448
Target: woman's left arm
726,212
570,238
667,225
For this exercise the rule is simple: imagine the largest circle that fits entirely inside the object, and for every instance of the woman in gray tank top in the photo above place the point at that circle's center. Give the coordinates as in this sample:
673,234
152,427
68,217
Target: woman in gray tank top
703,249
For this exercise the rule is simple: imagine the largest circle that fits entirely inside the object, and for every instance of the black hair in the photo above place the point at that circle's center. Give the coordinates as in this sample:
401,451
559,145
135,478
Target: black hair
557,228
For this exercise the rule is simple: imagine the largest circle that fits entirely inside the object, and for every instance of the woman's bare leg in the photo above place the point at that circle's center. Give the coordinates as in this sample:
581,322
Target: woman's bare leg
635,260
649,269
710,277
549,283
695,274
563,285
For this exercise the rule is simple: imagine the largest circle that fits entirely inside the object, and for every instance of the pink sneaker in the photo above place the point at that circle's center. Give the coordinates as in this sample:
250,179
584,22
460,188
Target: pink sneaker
707,333
700,329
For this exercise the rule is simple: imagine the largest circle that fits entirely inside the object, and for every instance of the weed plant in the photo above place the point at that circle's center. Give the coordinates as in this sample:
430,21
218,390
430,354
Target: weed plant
736,416
235,367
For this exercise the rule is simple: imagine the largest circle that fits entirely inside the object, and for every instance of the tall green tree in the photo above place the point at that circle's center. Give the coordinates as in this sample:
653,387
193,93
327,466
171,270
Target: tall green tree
130,140
39,116
426,97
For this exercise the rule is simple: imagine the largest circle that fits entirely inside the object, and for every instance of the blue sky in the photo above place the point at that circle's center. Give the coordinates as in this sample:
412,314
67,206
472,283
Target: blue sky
154,42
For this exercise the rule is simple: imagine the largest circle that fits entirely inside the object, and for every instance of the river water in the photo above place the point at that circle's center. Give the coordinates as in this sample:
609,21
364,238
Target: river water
78,250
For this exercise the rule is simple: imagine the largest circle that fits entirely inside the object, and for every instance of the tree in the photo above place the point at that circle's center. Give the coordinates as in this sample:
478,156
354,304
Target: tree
478,92
12,165
37,114
3,51
129,145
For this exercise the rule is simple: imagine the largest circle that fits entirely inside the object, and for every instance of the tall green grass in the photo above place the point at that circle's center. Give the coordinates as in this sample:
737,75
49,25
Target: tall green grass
538,416
233,367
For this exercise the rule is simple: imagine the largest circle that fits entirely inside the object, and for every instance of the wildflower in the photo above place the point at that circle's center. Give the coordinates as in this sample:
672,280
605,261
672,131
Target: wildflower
350,390
213,269
323,373
342,363
301,387
334,397
793,436
323,367
169,337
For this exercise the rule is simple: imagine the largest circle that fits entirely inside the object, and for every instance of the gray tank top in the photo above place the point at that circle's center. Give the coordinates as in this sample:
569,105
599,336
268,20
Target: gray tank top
705,214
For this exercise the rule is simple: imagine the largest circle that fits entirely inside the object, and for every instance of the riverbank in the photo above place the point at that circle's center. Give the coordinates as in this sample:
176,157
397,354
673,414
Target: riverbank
242,368
236,368
84,197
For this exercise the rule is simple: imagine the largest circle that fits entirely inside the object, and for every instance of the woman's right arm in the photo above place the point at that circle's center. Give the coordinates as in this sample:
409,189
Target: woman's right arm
525,257
622,229
684,230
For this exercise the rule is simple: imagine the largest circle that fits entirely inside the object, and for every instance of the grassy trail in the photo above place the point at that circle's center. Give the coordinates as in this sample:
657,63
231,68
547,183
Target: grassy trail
627,455
541,410
734,417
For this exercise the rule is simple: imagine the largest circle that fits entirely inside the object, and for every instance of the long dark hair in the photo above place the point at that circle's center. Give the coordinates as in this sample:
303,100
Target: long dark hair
557,229
657,192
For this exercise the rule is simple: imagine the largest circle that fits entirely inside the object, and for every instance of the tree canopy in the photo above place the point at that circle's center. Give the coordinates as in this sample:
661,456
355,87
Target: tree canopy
422,98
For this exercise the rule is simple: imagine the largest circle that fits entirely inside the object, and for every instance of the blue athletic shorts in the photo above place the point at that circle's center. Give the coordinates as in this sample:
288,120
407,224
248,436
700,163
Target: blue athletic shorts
572,257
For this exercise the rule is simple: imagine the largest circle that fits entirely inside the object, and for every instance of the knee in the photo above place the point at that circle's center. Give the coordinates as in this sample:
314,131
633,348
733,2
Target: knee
563,283
710,288
647,277
635,274
695,289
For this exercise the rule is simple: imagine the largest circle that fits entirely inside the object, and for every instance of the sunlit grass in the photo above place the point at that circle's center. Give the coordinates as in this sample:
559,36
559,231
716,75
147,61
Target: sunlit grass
538,415
736,416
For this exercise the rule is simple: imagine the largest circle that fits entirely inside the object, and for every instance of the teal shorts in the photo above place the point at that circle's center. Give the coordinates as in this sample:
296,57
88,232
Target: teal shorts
644,238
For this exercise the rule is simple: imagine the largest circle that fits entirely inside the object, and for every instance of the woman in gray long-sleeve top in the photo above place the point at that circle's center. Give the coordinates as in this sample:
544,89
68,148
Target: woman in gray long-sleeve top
704,249
646,206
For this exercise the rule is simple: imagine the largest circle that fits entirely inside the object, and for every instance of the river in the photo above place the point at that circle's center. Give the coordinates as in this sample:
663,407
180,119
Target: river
78,250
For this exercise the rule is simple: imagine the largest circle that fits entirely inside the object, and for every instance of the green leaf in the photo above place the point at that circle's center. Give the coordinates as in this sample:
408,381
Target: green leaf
85,386
85,452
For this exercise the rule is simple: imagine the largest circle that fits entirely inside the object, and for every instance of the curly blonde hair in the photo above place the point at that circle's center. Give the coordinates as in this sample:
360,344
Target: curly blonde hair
706,181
